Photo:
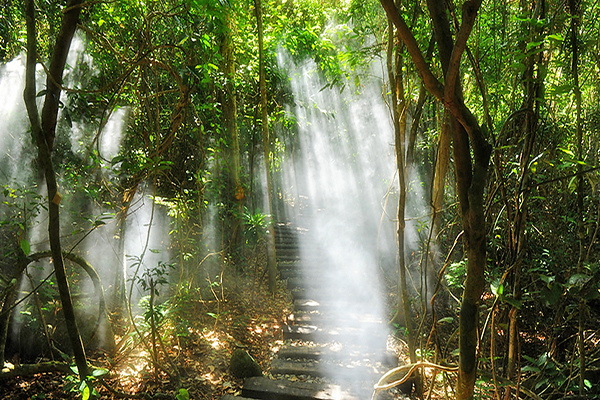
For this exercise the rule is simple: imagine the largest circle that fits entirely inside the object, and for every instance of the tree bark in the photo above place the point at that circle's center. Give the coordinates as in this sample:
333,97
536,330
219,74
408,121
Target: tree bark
271,254
471,171
574,10
441,168
9,298
235,189
56,70
43,133
532,83
398,105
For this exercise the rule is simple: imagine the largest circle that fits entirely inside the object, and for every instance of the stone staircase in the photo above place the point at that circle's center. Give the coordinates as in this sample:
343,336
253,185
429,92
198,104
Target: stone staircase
333,347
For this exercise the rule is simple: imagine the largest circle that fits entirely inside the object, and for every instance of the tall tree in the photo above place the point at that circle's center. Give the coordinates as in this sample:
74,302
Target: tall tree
575,13
532,102
399,111
471,155
235,191
271,255
43,131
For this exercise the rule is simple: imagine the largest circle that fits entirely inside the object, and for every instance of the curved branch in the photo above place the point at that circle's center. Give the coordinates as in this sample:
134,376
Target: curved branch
470,9
87,267
433,85
57,68
411,368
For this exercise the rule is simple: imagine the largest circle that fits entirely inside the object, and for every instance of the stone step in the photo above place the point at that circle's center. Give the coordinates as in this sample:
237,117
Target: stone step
336,352
269,389
319,317
325,294
287,272
287,247
337,370
307,304
311,259
325,306
319,270
375,340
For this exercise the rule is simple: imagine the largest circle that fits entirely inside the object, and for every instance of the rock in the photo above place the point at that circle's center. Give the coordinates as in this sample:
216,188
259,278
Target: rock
243,365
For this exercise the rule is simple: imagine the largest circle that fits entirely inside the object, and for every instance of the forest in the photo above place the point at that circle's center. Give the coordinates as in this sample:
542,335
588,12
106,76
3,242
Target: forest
300,199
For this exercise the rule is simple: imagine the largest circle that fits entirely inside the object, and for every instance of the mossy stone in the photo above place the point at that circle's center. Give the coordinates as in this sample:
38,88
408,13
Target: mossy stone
243,365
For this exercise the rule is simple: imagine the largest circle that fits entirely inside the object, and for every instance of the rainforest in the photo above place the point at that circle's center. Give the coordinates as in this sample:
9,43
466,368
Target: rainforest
300,199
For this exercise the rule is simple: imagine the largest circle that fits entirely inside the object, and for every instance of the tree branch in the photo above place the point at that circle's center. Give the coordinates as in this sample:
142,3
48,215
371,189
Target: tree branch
433,85
470,9
57,67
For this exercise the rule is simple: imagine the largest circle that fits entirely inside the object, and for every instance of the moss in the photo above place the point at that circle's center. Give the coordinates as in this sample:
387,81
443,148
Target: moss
243,365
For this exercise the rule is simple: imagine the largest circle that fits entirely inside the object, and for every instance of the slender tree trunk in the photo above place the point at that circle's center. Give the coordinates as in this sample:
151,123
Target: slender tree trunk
9,298
398,105
43,132
271,255
441,168
532,80
235,190
471,154
574,6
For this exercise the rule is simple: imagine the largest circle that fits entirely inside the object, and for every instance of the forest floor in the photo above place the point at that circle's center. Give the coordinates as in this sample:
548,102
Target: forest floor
199,335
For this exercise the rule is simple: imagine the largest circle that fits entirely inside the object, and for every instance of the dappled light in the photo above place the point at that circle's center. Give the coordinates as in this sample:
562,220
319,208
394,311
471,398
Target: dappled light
299,200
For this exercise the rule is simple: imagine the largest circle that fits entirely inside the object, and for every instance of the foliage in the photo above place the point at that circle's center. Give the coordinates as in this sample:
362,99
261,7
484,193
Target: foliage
85,388
161,64
256,226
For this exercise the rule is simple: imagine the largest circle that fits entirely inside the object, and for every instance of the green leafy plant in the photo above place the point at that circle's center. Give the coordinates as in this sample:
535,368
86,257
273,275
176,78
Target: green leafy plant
256,225
183,394
84,387
456,274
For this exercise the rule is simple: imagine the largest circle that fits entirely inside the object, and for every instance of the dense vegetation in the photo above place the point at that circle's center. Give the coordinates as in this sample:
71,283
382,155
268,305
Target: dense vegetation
512,88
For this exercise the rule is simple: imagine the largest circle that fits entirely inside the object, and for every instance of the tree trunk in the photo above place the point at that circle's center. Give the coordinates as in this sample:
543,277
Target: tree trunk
394,68
235,191
441,168
43,133
532,100
574,10
271,255
471,171
9,298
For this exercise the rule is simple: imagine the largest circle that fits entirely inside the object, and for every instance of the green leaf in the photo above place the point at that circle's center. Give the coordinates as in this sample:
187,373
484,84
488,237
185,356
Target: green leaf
578,279
562,89
85,393
530,368
532,45
97,373
446,320
556,37
519,67
212,315
497,288
513,302
183,394
573,184
25,247
567,151
547,279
